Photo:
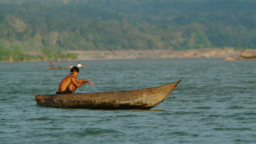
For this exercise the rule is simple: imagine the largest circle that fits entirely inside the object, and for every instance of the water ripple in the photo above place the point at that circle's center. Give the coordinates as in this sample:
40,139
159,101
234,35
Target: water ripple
214,103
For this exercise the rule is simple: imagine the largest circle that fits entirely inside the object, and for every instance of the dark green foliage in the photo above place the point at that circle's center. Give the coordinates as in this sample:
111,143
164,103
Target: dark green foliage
46,54
125,24
4,55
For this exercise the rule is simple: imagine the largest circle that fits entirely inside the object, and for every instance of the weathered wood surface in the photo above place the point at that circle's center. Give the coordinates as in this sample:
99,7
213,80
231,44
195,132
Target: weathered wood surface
135,99
62,67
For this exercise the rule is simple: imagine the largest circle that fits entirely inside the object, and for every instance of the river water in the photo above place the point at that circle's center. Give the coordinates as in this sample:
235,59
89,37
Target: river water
214,103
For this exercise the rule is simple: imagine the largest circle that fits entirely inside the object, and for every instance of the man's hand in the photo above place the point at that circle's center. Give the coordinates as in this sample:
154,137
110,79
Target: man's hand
91,83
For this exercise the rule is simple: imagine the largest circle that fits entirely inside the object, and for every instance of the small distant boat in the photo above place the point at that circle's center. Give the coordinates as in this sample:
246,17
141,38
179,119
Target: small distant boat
62,67
136,99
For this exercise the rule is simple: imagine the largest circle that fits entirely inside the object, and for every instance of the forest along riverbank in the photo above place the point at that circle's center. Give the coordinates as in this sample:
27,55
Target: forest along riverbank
46,54
155,54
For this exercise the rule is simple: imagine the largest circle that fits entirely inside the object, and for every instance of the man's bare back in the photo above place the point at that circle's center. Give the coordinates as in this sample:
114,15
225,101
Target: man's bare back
70,83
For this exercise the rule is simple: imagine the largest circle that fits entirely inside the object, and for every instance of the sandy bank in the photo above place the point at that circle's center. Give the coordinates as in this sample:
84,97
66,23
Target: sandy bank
155,54
246,55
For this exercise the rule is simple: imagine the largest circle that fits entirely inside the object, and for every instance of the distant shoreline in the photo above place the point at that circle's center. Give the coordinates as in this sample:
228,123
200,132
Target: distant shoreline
149,54
157,54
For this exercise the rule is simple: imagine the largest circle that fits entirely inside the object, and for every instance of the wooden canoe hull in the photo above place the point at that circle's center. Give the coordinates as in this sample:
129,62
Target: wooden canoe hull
62,67
135,99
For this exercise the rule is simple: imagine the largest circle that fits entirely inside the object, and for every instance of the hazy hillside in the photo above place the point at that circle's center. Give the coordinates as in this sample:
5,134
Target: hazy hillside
126,24
180,10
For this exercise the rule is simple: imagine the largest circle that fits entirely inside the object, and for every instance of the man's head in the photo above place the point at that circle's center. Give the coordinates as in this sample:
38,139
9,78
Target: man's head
74,71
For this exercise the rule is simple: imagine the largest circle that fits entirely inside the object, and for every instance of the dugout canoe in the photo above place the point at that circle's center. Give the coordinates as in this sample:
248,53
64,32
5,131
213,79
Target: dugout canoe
62,67
136,99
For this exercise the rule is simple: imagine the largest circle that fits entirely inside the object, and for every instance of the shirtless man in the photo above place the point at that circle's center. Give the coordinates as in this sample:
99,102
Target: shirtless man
69,84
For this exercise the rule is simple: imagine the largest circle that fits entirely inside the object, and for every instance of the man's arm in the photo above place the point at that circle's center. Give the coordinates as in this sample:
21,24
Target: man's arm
85,81
76,82
80,80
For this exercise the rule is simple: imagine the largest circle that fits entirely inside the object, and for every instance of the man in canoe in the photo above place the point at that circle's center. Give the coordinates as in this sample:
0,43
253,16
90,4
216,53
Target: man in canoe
69,84
51,64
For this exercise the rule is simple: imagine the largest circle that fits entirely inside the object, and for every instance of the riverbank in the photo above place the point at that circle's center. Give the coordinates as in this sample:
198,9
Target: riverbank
156,54
246,55
133,54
